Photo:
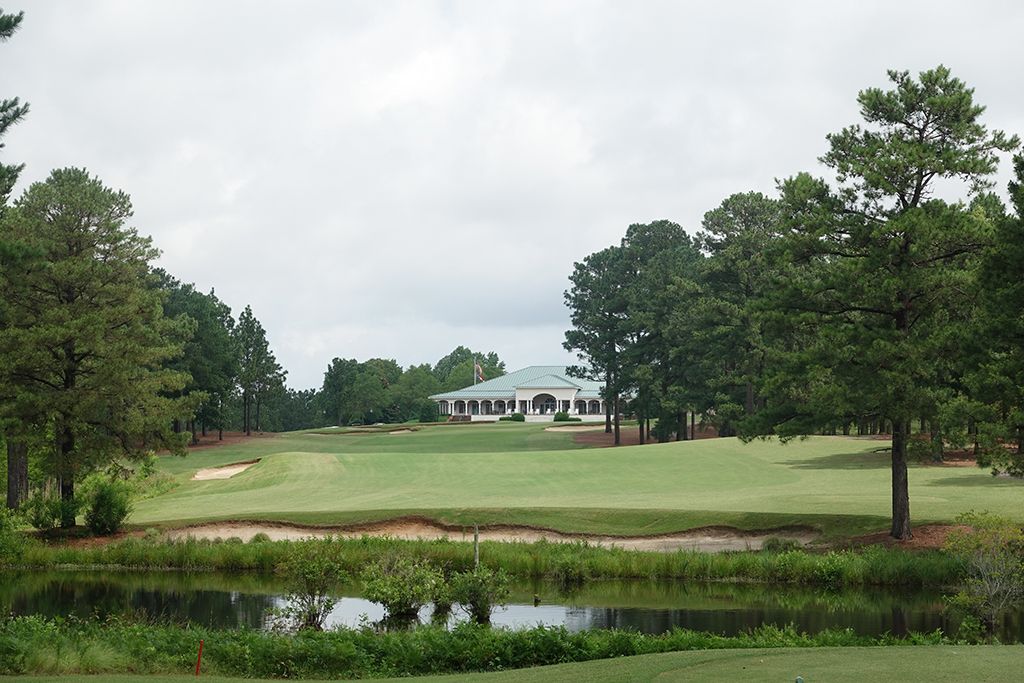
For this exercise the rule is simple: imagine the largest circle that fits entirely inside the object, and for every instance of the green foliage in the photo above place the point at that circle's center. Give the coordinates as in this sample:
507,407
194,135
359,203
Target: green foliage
870,567
455,370
109,505
565,417
11,111
12,540
259,373
34,645
776,544
43,510
210,356
991,550
514,417
311,571
479,590
85,352
402,585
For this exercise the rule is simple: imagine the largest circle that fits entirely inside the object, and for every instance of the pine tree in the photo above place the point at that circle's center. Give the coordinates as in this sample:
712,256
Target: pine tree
258,370
87,341
879,260
11,111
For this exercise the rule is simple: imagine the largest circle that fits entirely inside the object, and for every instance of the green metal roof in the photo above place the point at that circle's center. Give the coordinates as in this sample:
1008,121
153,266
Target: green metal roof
533,377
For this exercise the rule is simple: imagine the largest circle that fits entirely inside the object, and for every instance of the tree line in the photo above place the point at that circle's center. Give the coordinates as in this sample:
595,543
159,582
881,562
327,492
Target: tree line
887,299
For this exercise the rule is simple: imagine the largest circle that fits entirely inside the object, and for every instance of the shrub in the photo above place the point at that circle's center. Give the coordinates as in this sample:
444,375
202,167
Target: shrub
12,541
992,554
109,505
561,416
517,417
259,537
780,545
479,590
402,585
311,570
43,511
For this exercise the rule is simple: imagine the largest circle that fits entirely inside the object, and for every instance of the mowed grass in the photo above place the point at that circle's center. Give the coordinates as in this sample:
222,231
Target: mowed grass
521,474
936,664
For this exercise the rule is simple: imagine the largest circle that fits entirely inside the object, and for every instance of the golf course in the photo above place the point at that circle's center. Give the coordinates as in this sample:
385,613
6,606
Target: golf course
527,475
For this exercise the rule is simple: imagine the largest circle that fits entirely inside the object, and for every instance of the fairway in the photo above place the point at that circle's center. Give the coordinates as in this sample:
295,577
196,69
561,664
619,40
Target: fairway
521,474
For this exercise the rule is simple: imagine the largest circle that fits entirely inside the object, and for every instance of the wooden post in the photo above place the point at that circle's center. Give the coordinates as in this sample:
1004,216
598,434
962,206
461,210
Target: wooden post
476,546
199,658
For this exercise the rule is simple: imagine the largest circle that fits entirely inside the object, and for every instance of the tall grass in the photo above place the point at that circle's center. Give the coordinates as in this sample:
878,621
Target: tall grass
31,645
567,562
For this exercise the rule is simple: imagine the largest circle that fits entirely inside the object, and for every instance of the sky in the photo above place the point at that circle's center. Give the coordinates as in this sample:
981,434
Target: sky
394,179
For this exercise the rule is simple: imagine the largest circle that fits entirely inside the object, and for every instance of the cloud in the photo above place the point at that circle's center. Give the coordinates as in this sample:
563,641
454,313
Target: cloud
397,178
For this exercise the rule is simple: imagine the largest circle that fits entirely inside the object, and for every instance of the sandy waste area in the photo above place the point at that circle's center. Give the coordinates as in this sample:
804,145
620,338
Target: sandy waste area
708,539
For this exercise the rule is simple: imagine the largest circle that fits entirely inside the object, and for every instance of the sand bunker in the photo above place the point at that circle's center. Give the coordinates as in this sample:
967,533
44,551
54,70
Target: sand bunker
582,428
223,472
401,431
706,539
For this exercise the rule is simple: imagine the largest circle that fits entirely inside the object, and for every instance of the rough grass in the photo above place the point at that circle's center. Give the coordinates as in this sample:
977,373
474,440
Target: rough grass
874,566
521,474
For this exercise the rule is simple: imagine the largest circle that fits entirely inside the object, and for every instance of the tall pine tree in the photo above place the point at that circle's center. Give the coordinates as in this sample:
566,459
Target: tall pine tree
87,341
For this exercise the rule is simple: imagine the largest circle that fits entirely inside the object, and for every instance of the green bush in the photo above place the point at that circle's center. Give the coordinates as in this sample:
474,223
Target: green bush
35,645
43,510
479,590
561,416
516,417
311,571
12,541
776,544
109,506
991,550
402,585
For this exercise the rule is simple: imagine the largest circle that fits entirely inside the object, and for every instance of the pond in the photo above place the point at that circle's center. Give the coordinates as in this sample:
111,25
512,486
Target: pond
232,601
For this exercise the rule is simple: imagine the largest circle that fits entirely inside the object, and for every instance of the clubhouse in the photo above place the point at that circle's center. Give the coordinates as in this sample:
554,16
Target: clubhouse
539,390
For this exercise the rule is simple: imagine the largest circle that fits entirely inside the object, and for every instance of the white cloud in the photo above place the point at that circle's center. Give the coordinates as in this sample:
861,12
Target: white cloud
397,178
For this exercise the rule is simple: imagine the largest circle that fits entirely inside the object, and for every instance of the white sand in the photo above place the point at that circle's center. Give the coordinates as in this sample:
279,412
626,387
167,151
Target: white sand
711,539
224,472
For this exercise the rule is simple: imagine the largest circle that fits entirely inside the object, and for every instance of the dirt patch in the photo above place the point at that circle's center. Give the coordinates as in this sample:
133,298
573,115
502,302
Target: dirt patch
582,428
706,539
224,471
401,431
926,537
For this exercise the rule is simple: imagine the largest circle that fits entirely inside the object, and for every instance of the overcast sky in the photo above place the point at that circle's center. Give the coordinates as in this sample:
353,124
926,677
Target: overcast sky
395,179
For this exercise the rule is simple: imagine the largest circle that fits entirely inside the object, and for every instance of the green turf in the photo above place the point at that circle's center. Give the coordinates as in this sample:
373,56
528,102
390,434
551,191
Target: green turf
934,664
522,474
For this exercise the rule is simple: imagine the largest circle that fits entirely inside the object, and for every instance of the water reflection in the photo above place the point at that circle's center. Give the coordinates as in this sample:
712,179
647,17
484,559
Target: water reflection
232,601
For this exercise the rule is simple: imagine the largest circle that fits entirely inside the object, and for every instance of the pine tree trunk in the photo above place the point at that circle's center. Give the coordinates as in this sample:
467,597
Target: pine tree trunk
203,422
192,430
615,422
681,427
607,405
640,421
66,478
900,483
17,472
245,417
258,402
693,425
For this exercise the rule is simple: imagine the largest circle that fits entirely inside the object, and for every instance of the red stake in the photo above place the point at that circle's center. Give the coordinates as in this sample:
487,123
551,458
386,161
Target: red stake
199,659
